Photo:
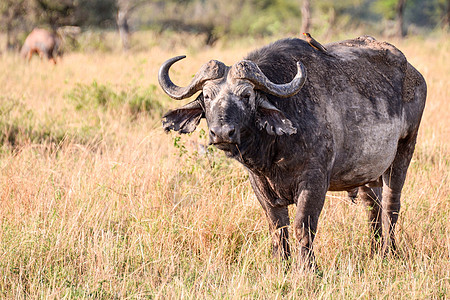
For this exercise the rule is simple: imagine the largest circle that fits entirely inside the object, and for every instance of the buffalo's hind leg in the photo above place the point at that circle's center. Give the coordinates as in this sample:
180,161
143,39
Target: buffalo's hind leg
393,179
371,197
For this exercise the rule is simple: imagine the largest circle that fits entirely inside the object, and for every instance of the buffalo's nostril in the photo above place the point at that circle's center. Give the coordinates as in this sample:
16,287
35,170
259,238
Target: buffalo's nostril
223,134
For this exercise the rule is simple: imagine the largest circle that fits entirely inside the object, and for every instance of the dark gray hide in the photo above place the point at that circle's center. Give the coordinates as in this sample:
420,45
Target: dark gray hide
352,123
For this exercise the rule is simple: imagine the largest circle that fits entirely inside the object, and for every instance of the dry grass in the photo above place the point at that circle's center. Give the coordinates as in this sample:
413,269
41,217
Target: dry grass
98,202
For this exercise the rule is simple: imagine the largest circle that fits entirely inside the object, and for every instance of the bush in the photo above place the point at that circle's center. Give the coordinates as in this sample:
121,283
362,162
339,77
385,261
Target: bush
142,100
19,125
134,100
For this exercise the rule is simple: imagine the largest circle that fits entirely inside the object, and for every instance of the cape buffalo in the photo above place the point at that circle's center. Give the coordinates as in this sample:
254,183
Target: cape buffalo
42,42
304,123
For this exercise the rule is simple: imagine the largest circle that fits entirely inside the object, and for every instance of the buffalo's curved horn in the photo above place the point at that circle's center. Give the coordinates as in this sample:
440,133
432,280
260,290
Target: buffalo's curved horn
212,70
246,69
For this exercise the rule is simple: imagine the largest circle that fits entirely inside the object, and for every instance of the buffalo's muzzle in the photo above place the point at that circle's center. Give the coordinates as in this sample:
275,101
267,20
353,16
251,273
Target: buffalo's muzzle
226,134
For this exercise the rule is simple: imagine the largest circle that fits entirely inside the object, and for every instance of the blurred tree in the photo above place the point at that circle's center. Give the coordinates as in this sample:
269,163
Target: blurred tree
335,10
211,18
55,13
393,10
97,13
217,18
400,12
429,13
124,8
306,16
11,12
446,14
265,17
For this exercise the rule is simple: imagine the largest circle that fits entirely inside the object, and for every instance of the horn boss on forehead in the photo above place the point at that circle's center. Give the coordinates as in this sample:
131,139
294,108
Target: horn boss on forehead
246,69
211,70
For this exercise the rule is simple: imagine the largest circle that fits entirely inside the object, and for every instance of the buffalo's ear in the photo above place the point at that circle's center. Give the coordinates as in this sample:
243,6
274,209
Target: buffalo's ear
186,118
272,119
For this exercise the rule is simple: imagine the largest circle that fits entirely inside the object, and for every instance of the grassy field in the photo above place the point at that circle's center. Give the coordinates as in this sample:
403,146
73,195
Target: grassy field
96,201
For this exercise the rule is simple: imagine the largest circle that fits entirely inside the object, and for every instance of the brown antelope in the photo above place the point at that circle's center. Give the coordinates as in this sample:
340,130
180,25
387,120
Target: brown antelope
42,42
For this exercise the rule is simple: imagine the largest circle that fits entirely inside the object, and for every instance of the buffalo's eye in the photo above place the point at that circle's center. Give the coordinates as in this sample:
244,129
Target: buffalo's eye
245,96
206,97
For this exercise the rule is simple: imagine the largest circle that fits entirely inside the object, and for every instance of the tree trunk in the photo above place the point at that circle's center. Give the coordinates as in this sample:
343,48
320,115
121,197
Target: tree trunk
11,35
400,9
124,29
8,36
124,7
446,21
306,15
9,18
331,21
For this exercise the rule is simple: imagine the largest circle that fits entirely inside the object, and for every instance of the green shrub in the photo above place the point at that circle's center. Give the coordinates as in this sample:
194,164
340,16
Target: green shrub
143,100
93,41
134,100
91,96
19,125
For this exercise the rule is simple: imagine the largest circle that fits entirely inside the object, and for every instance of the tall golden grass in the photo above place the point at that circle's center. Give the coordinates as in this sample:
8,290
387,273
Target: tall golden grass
98,202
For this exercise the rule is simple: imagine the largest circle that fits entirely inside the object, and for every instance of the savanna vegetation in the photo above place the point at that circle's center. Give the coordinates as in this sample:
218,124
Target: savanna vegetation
96,201
216,20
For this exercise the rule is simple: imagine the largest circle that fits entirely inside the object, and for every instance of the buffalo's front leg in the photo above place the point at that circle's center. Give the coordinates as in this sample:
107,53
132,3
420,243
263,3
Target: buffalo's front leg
278,218
309,206
277,215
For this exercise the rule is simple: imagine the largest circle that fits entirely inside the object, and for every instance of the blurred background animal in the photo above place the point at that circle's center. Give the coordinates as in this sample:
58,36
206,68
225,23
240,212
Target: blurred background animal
42,42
